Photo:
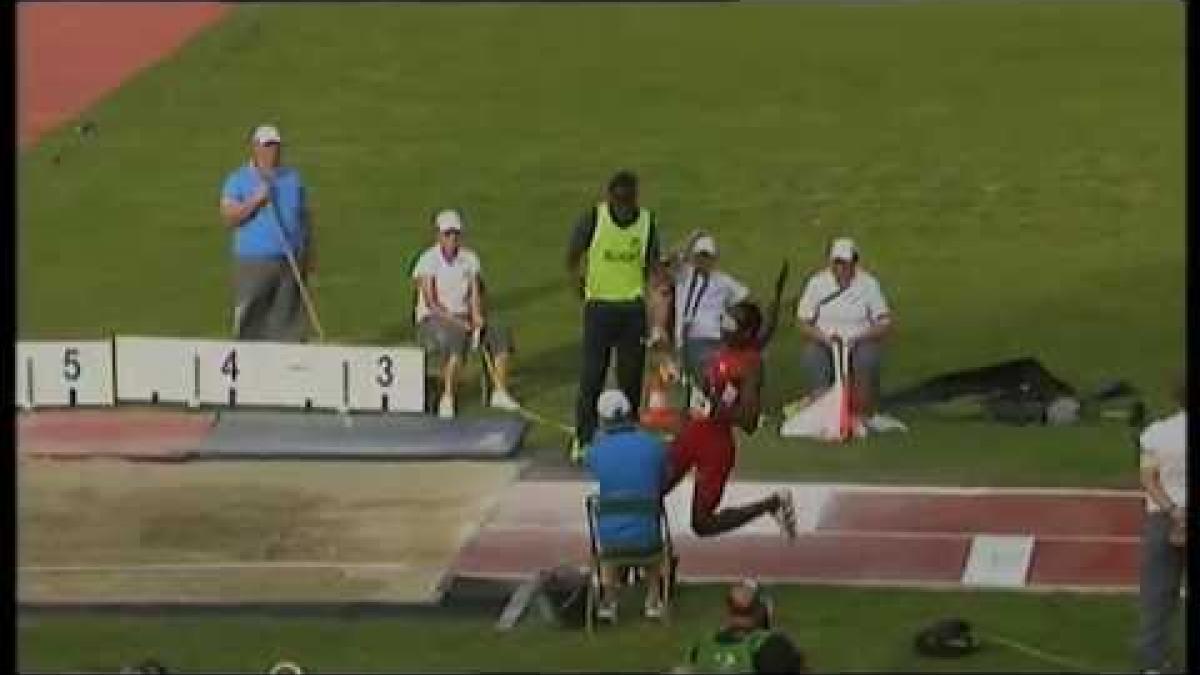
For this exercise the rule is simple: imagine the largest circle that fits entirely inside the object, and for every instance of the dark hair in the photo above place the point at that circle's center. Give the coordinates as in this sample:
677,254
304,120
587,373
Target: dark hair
146,667
623,179
748,316
757,609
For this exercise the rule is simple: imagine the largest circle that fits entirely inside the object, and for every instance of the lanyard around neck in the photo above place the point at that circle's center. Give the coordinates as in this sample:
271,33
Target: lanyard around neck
696,288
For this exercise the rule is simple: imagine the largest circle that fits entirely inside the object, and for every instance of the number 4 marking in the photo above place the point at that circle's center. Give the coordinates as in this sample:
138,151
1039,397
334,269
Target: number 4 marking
229,367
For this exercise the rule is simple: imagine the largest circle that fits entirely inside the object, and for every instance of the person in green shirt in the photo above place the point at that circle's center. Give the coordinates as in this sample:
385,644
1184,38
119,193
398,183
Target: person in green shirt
746,642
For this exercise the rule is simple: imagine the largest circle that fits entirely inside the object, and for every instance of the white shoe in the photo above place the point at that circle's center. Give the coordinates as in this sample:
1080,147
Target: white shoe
446,408
503,400
785,515
607,611
654,607
880,423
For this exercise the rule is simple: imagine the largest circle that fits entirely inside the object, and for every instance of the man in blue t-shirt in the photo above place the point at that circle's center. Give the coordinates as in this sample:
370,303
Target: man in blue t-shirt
626,462
265,204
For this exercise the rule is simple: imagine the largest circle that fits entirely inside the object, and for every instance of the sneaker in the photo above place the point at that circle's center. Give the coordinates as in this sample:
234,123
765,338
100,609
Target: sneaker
446,408
654,607
607,611
503,400
785,514
880,423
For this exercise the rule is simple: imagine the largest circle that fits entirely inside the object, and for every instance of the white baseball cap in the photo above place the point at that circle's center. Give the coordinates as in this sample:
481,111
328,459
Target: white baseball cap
705,244
266,134
448,220
612,404
843,248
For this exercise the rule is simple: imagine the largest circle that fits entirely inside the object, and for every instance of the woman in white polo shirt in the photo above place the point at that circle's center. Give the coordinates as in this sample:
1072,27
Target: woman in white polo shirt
450,308
702,294
844,300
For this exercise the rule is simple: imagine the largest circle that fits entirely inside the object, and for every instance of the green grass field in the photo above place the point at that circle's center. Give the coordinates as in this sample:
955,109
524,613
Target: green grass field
1012,171
841,630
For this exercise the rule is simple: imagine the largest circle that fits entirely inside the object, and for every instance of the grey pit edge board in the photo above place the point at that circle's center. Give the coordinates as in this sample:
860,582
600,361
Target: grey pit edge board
316,435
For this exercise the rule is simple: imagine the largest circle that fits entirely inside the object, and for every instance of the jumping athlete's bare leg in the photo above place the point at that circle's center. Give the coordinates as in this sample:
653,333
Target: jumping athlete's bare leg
708,522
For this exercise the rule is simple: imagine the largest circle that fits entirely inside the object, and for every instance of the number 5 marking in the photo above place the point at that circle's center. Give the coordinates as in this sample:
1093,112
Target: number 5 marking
71,366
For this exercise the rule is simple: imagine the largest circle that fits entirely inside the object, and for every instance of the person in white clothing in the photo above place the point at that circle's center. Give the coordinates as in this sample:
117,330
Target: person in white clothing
1164,533
450,313
702,294
845,301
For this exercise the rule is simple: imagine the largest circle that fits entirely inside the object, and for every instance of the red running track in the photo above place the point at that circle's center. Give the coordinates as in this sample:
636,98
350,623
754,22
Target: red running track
897,536
1081,540
111,433
70,54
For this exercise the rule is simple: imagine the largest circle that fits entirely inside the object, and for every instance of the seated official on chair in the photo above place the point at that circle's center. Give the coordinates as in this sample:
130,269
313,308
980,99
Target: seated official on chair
630,465
450,310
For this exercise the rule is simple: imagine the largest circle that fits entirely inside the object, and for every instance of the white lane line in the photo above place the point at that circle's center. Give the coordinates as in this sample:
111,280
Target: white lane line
986,491
953,586
681,532
580,488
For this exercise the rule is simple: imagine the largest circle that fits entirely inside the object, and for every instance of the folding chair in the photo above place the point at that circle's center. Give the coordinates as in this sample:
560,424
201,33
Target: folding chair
662,554
433,368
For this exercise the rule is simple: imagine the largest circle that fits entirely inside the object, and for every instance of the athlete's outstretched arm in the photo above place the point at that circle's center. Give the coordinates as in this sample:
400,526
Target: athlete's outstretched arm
772,322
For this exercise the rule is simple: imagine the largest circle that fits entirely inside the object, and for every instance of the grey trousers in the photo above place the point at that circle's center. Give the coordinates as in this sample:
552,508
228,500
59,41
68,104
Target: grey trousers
1158,592
267,302
865,361
444,337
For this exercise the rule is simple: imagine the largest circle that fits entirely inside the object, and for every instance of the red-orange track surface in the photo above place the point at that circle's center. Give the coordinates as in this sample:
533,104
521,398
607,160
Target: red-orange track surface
1081,540
902,536
114,434
70,54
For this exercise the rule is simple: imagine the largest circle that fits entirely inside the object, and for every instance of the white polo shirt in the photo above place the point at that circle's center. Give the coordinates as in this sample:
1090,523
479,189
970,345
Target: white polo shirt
451,279
701,298
1164,446
846,312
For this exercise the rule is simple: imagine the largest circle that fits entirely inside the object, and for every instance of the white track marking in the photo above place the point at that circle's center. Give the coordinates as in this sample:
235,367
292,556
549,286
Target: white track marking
851,583
998,561
681,533
559,504
985,491
580,487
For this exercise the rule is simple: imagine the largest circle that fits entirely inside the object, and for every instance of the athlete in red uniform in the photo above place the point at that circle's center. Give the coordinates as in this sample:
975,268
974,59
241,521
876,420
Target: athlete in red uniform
733,386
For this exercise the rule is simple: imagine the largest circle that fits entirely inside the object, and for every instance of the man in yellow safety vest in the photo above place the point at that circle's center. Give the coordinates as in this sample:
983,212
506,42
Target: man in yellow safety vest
613,255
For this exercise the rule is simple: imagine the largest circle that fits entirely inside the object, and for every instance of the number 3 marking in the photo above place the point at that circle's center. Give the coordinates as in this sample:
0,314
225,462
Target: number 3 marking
386,377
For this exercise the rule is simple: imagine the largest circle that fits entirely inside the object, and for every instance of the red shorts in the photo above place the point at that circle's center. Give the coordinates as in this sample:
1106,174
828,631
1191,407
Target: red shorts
707,446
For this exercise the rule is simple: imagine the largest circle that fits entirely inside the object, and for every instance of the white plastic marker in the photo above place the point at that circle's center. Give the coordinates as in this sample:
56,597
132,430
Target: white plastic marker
841,357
